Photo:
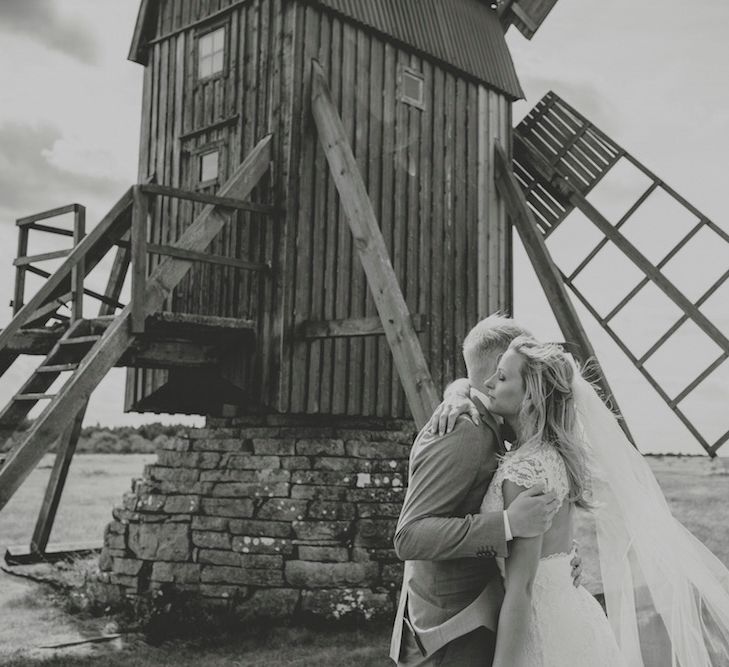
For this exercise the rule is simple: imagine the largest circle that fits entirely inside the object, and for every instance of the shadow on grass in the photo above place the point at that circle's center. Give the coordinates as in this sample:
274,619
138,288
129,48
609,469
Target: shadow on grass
263,647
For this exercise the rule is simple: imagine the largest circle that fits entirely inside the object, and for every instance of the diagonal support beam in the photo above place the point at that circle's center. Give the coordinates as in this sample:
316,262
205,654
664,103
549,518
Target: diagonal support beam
52,498
546,270
391,307
118,336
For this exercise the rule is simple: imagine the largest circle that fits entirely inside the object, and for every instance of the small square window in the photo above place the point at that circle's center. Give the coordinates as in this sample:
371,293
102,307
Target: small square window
412,87
208,166
211,53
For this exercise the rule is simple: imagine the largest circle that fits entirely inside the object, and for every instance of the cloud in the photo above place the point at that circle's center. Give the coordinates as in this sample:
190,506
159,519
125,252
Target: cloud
33,178
584,95
40,20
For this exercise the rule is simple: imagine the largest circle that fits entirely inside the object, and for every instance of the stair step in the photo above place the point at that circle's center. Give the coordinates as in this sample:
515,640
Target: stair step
33,397
78,340
57,368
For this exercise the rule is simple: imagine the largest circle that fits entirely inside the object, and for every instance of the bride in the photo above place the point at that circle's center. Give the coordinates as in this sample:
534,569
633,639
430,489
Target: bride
667,596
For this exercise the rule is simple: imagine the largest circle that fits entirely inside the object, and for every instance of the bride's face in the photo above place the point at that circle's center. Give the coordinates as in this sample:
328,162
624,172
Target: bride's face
505,388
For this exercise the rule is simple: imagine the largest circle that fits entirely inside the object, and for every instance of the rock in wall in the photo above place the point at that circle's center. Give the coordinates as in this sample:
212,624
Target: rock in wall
284,518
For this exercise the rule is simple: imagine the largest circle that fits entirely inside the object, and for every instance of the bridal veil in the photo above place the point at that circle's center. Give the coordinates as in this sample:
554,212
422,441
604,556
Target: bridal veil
667,595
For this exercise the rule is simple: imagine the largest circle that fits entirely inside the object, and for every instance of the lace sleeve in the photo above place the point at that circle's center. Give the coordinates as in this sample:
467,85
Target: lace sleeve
542,465
524,471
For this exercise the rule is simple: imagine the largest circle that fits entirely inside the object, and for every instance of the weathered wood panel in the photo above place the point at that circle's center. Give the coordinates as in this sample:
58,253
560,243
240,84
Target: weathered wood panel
428,172
425,176
183,115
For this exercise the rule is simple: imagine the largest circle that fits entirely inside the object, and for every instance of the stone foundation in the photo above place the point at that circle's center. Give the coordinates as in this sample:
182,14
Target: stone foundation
282,519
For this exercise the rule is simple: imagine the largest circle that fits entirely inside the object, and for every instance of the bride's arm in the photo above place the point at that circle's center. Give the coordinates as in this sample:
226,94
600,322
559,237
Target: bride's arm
521,566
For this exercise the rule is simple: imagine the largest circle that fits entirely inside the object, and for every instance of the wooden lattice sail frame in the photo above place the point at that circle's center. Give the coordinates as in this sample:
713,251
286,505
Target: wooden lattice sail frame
559,157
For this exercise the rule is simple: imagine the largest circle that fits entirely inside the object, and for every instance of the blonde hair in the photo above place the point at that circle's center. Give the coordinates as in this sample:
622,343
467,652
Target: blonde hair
492,334
548,411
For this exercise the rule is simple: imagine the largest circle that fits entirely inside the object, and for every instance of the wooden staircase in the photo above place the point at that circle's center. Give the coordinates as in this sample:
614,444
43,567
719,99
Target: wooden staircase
90,348
65,356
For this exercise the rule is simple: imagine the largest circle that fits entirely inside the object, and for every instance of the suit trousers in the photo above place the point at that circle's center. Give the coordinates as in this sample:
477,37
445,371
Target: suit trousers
475,649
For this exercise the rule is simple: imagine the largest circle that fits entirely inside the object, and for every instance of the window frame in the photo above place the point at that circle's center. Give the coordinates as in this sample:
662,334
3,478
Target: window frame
402,96
196,154
203,32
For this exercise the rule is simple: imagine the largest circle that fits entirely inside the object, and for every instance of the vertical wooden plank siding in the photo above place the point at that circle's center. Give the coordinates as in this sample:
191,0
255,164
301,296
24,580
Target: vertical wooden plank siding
429,174
317,31
449,131
361,118
388,162
437,239
176,104
343,247
370,375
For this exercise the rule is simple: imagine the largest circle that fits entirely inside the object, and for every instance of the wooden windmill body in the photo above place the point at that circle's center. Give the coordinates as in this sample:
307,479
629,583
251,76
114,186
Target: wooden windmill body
420,112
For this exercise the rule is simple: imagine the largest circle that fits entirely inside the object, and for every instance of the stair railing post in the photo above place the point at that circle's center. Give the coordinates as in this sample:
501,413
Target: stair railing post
140,208
79,270
20,269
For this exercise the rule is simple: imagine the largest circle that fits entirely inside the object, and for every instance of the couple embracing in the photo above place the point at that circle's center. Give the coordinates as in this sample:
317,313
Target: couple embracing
486,531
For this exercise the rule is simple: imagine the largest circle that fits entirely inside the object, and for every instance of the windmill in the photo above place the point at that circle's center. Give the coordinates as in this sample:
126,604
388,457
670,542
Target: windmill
324,203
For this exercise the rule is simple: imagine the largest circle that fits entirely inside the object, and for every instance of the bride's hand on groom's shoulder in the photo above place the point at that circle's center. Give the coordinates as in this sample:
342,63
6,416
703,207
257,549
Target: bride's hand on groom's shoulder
453,406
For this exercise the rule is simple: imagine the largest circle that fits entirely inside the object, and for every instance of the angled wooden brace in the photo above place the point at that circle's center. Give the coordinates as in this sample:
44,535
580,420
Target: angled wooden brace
546,270
391,307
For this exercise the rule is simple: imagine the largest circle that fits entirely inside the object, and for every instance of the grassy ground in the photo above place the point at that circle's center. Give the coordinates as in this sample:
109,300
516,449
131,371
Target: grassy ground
95,484
697,490
282,646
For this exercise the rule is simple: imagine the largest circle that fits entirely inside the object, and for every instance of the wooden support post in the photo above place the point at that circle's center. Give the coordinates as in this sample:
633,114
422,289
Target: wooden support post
118,336
391,307
64,454
546,270
19,296
140,209
78,273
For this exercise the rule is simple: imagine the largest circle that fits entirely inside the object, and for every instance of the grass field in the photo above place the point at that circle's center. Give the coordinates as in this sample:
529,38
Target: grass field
697,490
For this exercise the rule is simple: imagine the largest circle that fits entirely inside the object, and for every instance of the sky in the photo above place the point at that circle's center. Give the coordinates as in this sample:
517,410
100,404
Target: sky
652,74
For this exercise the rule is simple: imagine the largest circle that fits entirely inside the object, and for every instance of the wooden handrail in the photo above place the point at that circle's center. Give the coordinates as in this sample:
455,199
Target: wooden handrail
50,213
182,253
50,230
29,259
140,248
85,254
204,198
23,262
74,267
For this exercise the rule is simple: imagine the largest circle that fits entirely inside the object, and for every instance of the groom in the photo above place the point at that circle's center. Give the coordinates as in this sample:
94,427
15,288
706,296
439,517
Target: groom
452,591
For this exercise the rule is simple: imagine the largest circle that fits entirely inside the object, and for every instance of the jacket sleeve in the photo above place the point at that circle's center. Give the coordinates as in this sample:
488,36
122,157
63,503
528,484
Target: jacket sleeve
442,473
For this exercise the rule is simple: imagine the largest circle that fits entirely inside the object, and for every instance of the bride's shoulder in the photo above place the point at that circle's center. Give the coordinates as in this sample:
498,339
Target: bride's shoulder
534,463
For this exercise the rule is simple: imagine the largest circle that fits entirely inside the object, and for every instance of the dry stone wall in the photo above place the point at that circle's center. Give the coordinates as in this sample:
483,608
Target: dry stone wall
278,518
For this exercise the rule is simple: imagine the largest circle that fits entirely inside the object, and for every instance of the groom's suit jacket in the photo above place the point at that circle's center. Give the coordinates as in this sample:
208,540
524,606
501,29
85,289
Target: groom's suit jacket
448,546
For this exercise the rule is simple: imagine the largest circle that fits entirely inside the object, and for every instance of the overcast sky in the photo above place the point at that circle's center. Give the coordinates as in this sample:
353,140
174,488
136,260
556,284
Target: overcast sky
653,74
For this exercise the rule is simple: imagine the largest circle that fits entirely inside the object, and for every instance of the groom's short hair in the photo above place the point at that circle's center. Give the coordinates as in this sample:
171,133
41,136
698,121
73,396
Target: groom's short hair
492,334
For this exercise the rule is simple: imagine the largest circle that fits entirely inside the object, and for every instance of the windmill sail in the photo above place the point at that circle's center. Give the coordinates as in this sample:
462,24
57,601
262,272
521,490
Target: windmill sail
526,15
643,244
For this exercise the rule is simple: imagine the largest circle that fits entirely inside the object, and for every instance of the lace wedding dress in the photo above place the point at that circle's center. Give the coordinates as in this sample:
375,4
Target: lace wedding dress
568,627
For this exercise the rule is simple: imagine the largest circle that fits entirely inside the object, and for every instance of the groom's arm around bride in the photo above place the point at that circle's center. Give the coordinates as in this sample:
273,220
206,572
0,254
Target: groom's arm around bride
448,546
